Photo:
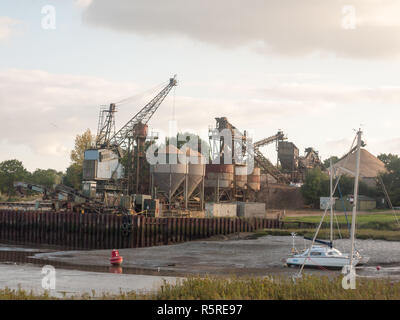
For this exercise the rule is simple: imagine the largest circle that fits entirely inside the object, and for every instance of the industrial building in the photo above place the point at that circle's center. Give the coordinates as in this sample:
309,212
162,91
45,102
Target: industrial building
236,173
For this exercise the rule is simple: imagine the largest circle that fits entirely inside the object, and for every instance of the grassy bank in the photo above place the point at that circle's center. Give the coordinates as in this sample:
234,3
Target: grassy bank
324,233
309,287
377,221
383,226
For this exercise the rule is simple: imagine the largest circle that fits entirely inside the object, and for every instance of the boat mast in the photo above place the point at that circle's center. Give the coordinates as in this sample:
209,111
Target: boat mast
355,198
331,198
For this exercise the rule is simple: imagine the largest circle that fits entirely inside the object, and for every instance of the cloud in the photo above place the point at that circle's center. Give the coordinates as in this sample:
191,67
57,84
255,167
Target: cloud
333,93
83,3
286,27
7,27
42,112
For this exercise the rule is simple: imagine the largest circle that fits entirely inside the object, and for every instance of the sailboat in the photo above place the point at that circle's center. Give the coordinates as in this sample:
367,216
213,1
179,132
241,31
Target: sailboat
326,255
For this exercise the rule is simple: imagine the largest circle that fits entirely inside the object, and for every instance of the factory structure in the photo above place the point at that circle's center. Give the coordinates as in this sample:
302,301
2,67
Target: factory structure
116,172
231,178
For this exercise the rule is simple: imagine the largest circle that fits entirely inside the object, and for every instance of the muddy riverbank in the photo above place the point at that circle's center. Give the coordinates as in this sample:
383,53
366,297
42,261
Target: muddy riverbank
239,255
145,268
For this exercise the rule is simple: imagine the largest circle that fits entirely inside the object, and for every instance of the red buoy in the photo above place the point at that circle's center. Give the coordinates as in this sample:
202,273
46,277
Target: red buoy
378,268
115,259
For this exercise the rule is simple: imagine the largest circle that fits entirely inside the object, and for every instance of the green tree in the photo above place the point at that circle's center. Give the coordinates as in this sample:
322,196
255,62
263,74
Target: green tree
193,141
346,187
73,176
46,178
10,172
327,161
391,178
82,142
387,159
316,185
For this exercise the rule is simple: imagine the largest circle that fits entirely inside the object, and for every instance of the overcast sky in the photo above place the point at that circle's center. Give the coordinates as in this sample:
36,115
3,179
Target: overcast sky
315,69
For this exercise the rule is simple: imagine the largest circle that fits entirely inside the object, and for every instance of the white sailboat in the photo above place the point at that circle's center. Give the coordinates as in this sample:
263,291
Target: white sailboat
326,255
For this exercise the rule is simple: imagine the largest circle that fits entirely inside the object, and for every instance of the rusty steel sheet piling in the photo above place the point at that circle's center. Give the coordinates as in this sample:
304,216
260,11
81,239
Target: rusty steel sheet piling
109,231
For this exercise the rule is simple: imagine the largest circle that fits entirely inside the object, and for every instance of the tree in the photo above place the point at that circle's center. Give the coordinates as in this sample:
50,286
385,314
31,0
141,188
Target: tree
391,178
315,186
10,172
327,161
387,159
82,142
73,176
191,141
46,178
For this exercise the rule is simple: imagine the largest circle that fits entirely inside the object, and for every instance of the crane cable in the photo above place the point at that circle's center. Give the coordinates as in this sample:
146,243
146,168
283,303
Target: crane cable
388,199
173,104
141,94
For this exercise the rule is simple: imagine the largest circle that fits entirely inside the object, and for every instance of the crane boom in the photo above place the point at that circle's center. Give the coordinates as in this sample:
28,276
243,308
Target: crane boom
120,139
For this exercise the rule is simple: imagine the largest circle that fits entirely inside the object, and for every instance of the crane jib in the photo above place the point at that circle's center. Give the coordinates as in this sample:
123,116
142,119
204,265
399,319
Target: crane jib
143,116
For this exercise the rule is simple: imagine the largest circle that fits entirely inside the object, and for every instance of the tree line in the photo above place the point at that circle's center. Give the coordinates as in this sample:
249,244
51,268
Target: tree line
13,170
316,184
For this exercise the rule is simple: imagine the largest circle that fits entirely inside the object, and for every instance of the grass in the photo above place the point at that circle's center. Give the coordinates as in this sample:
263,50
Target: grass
387,235
376,226
386,220
277,288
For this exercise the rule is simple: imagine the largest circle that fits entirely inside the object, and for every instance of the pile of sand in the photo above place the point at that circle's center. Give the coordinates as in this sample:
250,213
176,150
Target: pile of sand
370,166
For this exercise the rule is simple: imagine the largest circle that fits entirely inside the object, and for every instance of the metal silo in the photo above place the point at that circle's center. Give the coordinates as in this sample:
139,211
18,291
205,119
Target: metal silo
219,175
168,177
241,176
254,180
196,170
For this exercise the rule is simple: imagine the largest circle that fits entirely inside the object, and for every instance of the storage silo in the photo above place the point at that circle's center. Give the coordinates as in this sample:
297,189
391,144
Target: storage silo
196,170
241,176
254,180
168,177
219,175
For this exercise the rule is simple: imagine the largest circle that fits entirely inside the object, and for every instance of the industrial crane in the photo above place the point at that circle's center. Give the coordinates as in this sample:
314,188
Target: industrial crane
121,138
102,167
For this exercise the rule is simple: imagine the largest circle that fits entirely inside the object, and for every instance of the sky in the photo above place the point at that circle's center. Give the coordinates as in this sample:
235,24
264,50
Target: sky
317,70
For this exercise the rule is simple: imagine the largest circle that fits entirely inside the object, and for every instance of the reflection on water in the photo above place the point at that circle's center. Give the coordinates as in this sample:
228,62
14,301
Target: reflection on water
10,256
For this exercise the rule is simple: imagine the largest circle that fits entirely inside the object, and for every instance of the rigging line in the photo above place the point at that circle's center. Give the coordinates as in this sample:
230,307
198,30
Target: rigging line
173,105
323,216
344,208
388,199
136,96
337,223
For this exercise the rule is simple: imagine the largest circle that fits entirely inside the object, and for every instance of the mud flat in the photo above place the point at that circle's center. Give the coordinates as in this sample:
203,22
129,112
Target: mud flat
75,282
144,269
237,255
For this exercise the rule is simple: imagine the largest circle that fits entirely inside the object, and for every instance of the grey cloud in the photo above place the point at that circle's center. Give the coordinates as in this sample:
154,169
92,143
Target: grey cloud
280,26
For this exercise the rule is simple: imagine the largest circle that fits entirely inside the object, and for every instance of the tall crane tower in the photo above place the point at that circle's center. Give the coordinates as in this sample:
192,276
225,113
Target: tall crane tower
102,168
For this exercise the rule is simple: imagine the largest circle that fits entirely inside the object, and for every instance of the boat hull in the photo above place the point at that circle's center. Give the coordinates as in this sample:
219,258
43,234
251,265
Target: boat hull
326,262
